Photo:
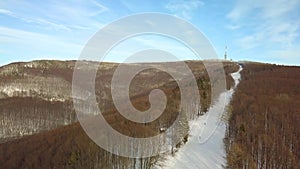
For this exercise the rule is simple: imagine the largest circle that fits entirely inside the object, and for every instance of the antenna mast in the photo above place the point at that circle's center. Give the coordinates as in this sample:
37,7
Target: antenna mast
225,55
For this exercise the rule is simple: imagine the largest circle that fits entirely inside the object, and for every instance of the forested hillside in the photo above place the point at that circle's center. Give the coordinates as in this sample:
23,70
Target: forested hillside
35,100
263,130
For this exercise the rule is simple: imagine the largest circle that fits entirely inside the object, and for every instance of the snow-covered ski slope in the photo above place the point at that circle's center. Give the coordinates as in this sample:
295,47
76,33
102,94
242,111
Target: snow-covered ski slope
205,148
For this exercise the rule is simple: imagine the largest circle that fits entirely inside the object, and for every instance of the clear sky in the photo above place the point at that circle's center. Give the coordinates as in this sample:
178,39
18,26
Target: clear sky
256,30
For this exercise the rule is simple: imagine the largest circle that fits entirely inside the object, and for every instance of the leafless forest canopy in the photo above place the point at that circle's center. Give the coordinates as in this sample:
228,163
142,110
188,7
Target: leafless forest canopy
263,130
40,125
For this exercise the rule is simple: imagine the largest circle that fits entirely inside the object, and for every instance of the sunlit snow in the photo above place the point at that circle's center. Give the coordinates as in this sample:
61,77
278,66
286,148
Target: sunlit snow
204,150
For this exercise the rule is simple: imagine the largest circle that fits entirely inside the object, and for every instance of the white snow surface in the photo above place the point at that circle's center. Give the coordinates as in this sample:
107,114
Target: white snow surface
205,148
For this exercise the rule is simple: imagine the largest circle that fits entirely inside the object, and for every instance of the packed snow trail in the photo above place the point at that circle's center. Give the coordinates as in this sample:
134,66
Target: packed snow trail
207,153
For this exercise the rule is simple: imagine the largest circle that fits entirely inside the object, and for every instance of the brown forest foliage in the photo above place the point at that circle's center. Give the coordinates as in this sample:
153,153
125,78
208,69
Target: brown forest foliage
69,146
263,130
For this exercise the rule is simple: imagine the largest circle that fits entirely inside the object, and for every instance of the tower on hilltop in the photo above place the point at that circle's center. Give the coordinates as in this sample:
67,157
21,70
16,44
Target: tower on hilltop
225,55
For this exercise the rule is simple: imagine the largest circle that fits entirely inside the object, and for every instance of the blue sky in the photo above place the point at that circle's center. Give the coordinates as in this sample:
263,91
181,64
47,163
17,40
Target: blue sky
257,30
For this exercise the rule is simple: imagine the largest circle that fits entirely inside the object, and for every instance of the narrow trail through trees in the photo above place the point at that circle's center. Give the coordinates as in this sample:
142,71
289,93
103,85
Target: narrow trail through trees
209,153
